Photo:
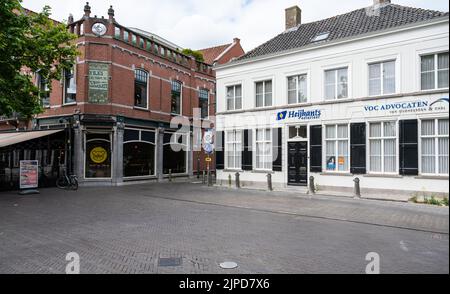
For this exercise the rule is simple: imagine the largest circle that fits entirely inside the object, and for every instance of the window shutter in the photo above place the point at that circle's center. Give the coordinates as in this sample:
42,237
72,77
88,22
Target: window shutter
247,155
315,150
409,147
358,148
220,149
277,150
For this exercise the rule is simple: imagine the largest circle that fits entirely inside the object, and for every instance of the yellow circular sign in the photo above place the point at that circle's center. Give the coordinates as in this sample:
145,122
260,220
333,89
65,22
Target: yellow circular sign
98,155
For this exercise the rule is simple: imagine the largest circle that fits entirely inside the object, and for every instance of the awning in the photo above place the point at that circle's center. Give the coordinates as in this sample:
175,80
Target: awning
7,139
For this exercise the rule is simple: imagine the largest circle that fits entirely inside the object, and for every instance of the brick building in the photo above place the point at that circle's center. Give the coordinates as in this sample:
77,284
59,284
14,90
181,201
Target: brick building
116,106
222,54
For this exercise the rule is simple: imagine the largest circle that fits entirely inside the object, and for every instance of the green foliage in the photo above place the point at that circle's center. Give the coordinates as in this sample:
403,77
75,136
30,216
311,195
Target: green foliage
196,54
445,201
30,42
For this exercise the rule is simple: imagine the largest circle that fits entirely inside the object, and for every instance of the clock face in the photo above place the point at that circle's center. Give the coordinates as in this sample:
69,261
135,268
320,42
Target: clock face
99,29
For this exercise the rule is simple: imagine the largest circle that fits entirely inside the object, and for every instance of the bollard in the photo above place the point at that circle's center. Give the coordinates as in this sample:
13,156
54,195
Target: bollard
269,182
312,188
238,183
204,178
209,178
357,188
229,180
170,175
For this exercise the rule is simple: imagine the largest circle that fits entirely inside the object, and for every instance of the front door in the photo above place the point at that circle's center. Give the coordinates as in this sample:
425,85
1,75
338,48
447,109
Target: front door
298,163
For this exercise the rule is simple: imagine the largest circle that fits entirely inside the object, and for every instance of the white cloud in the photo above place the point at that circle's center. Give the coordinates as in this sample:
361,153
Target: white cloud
204,23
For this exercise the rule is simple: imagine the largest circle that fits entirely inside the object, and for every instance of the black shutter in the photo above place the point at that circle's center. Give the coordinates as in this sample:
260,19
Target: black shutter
277,150
315,139
409,148
358,148
247,155
220,150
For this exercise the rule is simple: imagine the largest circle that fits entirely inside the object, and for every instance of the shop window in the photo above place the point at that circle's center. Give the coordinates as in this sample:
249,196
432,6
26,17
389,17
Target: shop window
176,97
70,86
434,71
382,78
264,94
140,88
383,147
98,155
264,149
233,149
434,146
175,148
138,153
204,103
337,148
234,97
336,84
297,89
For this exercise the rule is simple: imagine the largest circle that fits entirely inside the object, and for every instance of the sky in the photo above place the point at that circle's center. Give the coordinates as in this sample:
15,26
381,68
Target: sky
200,24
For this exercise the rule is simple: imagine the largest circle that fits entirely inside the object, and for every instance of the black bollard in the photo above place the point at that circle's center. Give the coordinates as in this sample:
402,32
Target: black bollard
357,188
238,183
269,182
312,187
170,175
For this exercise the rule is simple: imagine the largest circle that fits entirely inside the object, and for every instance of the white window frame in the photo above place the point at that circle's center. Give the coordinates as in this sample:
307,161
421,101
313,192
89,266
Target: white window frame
148,90
235,143
336,83
234,96
436,138
264,93
181,96
38,84
383,138
336,147
382,63
209,99
436,70
264,141
297,88
64,85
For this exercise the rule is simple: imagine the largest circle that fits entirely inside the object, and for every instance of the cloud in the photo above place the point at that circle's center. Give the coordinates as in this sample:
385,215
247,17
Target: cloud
204,23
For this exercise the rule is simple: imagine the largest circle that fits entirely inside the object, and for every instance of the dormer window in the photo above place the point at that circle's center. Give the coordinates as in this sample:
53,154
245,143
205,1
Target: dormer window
320,37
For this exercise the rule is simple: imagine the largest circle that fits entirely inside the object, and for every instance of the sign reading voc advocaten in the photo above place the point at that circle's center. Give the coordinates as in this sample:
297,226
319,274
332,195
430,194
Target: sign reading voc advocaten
98,82
29,174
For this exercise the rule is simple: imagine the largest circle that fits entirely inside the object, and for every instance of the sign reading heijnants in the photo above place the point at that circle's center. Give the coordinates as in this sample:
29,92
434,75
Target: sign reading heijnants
299,114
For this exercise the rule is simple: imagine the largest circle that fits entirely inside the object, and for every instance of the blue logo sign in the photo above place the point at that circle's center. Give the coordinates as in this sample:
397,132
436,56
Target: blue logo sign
397,106
299,114
440,100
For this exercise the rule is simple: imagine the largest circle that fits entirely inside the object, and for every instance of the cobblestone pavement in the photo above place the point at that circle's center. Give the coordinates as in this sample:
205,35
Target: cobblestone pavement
128,229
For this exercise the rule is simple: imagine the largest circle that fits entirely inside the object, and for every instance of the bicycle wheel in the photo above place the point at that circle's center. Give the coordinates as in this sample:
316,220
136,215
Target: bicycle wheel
74,183
62,183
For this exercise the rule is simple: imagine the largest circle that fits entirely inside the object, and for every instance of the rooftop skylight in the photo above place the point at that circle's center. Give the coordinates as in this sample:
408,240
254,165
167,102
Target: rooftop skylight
320,37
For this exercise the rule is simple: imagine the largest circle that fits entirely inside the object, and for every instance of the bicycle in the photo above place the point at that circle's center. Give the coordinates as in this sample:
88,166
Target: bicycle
67,182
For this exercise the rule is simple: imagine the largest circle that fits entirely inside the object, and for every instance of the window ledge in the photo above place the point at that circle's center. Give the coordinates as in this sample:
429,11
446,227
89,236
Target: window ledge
141,108
69,104
261,171
233,170
383,176
336,174
432,177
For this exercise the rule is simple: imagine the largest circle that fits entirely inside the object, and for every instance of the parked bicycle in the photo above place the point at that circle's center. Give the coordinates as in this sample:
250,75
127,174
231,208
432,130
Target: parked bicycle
67,182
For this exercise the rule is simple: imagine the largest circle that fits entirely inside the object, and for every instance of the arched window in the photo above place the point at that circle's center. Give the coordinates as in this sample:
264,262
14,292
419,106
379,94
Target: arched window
139,153
140,88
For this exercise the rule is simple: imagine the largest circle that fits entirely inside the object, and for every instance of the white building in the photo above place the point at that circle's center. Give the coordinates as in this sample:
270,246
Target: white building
363,94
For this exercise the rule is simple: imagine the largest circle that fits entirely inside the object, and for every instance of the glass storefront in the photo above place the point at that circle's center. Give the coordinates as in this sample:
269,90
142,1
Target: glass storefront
139,153
98,155
175,153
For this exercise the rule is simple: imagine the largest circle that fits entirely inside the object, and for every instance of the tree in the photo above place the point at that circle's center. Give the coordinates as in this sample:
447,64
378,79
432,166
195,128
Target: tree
30,42
196,54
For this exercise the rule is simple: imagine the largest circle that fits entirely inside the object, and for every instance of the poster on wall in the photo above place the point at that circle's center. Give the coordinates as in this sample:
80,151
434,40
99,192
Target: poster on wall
29,174
98,82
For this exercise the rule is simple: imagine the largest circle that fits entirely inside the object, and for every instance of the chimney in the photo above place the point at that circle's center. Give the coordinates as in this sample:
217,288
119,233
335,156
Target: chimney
293,17
111,13
87,10
381,2
236,40
70,19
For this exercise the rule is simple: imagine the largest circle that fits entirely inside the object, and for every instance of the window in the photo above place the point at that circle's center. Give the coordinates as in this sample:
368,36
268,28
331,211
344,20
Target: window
298,132
134,39
138,153
297,89
176,98
117,32
44,91
320,37
234,97
264,94
140,88
98,155
382,78
337,148
204,103
383,147
434,71
264,149
336,84
434,138
70,86
175,150
141,43
149,45
233,149
156,49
